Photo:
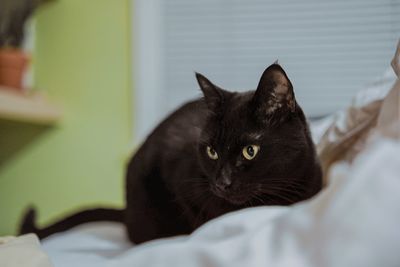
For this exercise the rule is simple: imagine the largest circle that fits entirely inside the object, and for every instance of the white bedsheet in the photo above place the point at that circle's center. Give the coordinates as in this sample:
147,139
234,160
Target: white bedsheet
354,222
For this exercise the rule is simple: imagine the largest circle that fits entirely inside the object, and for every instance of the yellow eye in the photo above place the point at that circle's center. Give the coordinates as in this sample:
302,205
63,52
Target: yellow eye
250,152
212,154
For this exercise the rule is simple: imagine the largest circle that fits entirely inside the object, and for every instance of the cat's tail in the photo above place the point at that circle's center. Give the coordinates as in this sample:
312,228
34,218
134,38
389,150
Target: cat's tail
28,224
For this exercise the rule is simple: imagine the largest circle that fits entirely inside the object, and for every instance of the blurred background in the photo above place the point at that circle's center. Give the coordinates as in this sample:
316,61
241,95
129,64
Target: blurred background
82,82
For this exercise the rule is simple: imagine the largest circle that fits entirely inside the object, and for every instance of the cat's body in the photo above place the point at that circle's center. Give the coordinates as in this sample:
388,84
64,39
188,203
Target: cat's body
214,155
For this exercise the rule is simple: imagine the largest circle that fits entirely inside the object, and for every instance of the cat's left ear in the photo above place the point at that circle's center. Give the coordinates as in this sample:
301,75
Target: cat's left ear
274,92
212,94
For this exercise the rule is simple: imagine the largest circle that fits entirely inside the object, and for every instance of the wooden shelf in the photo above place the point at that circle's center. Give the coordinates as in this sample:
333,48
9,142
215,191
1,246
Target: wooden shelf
32,108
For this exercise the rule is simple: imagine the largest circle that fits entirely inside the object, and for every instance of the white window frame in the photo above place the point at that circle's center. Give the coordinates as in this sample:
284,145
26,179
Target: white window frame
147,62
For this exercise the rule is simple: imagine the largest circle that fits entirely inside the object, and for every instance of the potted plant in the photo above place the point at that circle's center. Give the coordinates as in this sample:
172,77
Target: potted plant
13,60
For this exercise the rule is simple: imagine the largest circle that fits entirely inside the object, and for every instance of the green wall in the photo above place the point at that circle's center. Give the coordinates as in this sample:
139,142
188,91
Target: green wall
82,62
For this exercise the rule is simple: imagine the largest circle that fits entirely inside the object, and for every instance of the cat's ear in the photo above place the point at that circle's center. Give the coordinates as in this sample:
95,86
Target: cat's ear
274,92
212,94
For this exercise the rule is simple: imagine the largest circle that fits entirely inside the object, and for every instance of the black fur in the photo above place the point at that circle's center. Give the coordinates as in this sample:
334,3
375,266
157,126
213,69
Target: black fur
92,215
173,186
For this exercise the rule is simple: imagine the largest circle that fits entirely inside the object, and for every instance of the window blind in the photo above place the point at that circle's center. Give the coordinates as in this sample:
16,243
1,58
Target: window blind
329,49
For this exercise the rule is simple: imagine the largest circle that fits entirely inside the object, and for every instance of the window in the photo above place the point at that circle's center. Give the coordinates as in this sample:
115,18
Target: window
329,49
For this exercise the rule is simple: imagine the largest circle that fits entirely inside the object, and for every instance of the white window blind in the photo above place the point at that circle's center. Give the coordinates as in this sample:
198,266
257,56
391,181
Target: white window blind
328,48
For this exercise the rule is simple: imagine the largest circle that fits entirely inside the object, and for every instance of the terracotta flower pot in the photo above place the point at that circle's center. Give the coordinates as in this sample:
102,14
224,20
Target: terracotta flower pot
13,63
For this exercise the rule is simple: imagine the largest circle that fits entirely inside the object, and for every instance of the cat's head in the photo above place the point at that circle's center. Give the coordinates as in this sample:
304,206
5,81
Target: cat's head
255,147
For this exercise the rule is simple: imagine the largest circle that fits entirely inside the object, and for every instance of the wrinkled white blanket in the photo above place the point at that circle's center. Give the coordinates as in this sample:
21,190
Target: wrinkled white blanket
354,222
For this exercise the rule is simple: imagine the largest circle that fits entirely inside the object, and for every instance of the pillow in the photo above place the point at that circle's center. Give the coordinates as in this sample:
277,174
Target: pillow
23,251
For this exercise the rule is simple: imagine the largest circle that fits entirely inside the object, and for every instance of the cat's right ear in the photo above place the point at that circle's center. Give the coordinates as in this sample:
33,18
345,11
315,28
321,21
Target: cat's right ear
212,94
274,95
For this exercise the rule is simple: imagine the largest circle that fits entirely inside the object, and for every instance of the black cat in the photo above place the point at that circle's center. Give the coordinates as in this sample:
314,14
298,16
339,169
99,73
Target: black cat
221,153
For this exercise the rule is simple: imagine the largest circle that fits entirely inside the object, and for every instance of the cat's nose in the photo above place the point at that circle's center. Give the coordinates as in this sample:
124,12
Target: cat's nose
224,181
223,184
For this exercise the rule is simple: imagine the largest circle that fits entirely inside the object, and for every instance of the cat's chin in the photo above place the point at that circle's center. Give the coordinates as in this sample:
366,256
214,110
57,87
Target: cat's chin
237,201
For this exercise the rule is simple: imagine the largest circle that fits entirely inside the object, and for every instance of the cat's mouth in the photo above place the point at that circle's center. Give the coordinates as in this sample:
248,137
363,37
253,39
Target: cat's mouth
231,197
